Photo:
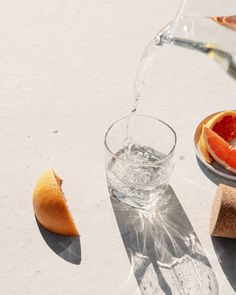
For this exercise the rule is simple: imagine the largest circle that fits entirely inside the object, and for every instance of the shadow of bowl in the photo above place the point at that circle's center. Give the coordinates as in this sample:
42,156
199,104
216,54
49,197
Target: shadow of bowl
67,247
214,177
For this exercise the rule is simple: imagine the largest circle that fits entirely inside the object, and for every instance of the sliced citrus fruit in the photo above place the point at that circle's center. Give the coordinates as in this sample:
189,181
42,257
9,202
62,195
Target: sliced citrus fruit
50,205
224,124
227,21
220,150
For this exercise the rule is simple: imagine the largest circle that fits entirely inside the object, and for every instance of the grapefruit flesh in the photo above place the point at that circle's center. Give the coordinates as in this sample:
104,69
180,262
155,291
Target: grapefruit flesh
220,150
224,124
226,127
50,206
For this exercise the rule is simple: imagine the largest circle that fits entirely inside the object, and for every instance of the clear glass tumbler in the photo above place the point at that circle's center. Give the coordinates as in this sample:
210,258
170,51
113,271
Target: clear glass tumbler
139,175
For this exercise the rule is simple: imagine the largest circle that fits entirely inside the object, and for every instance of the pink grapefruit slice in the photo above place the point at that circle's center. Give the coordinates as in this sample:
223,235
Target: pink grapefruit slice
224,124
219,149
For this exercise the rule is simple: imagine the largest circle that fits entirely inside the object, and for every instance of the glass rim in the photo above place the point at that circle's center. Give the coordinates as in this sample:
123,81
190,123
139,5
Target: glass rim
137,164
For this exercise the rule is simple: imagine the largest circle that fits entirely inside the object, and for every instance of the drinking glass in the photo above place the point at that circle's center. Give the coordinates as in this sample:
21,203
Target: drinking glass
139,175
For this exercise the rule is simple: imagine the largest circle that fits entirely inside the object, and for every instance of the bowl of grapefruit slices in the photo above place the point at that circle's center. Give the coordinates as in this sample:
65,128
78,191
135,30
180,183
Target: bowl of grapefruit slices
215,143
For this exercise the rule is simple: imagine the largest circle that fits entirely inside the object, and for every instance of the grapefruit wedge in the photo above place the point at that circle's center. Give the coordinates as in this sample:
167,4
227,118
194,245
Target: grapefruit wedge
224,124
50,206
219,149
227,21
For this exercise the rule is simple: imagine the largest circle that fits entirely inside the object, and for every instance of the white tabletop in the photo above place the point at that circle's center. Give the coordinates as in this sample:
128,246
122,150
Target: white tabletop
67,70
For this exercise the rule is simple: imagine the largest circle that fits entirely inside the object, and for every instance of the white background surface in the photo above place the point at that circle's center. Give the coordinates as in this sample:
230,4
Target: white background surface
69,66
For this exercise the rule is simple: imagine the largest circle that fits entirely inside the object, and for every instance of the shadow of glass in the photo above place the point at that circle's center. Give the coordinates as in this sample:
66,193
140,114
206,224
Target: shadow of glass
66,247
226,253
214,177
165,254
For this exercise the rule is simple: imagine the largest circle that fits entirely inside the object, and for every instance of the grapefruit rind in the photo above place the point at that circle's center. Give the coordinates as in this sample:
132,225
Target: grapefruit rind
203,149
220,150
50,205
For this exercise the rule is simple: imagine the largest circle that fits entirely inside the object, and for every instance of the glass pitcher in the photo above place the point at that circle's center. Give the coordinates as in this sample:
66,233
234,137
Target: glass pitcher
206,26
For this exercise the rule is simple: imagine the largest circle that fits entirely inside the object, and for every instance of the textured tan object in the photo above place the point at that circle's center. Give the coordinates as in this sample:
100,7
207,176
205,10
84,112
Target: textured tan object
223,213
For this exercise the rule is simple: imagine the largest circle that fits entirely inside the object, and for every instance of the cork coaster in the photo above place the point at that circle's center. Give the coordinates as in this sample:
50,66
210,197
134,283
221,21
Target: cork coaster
223,213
